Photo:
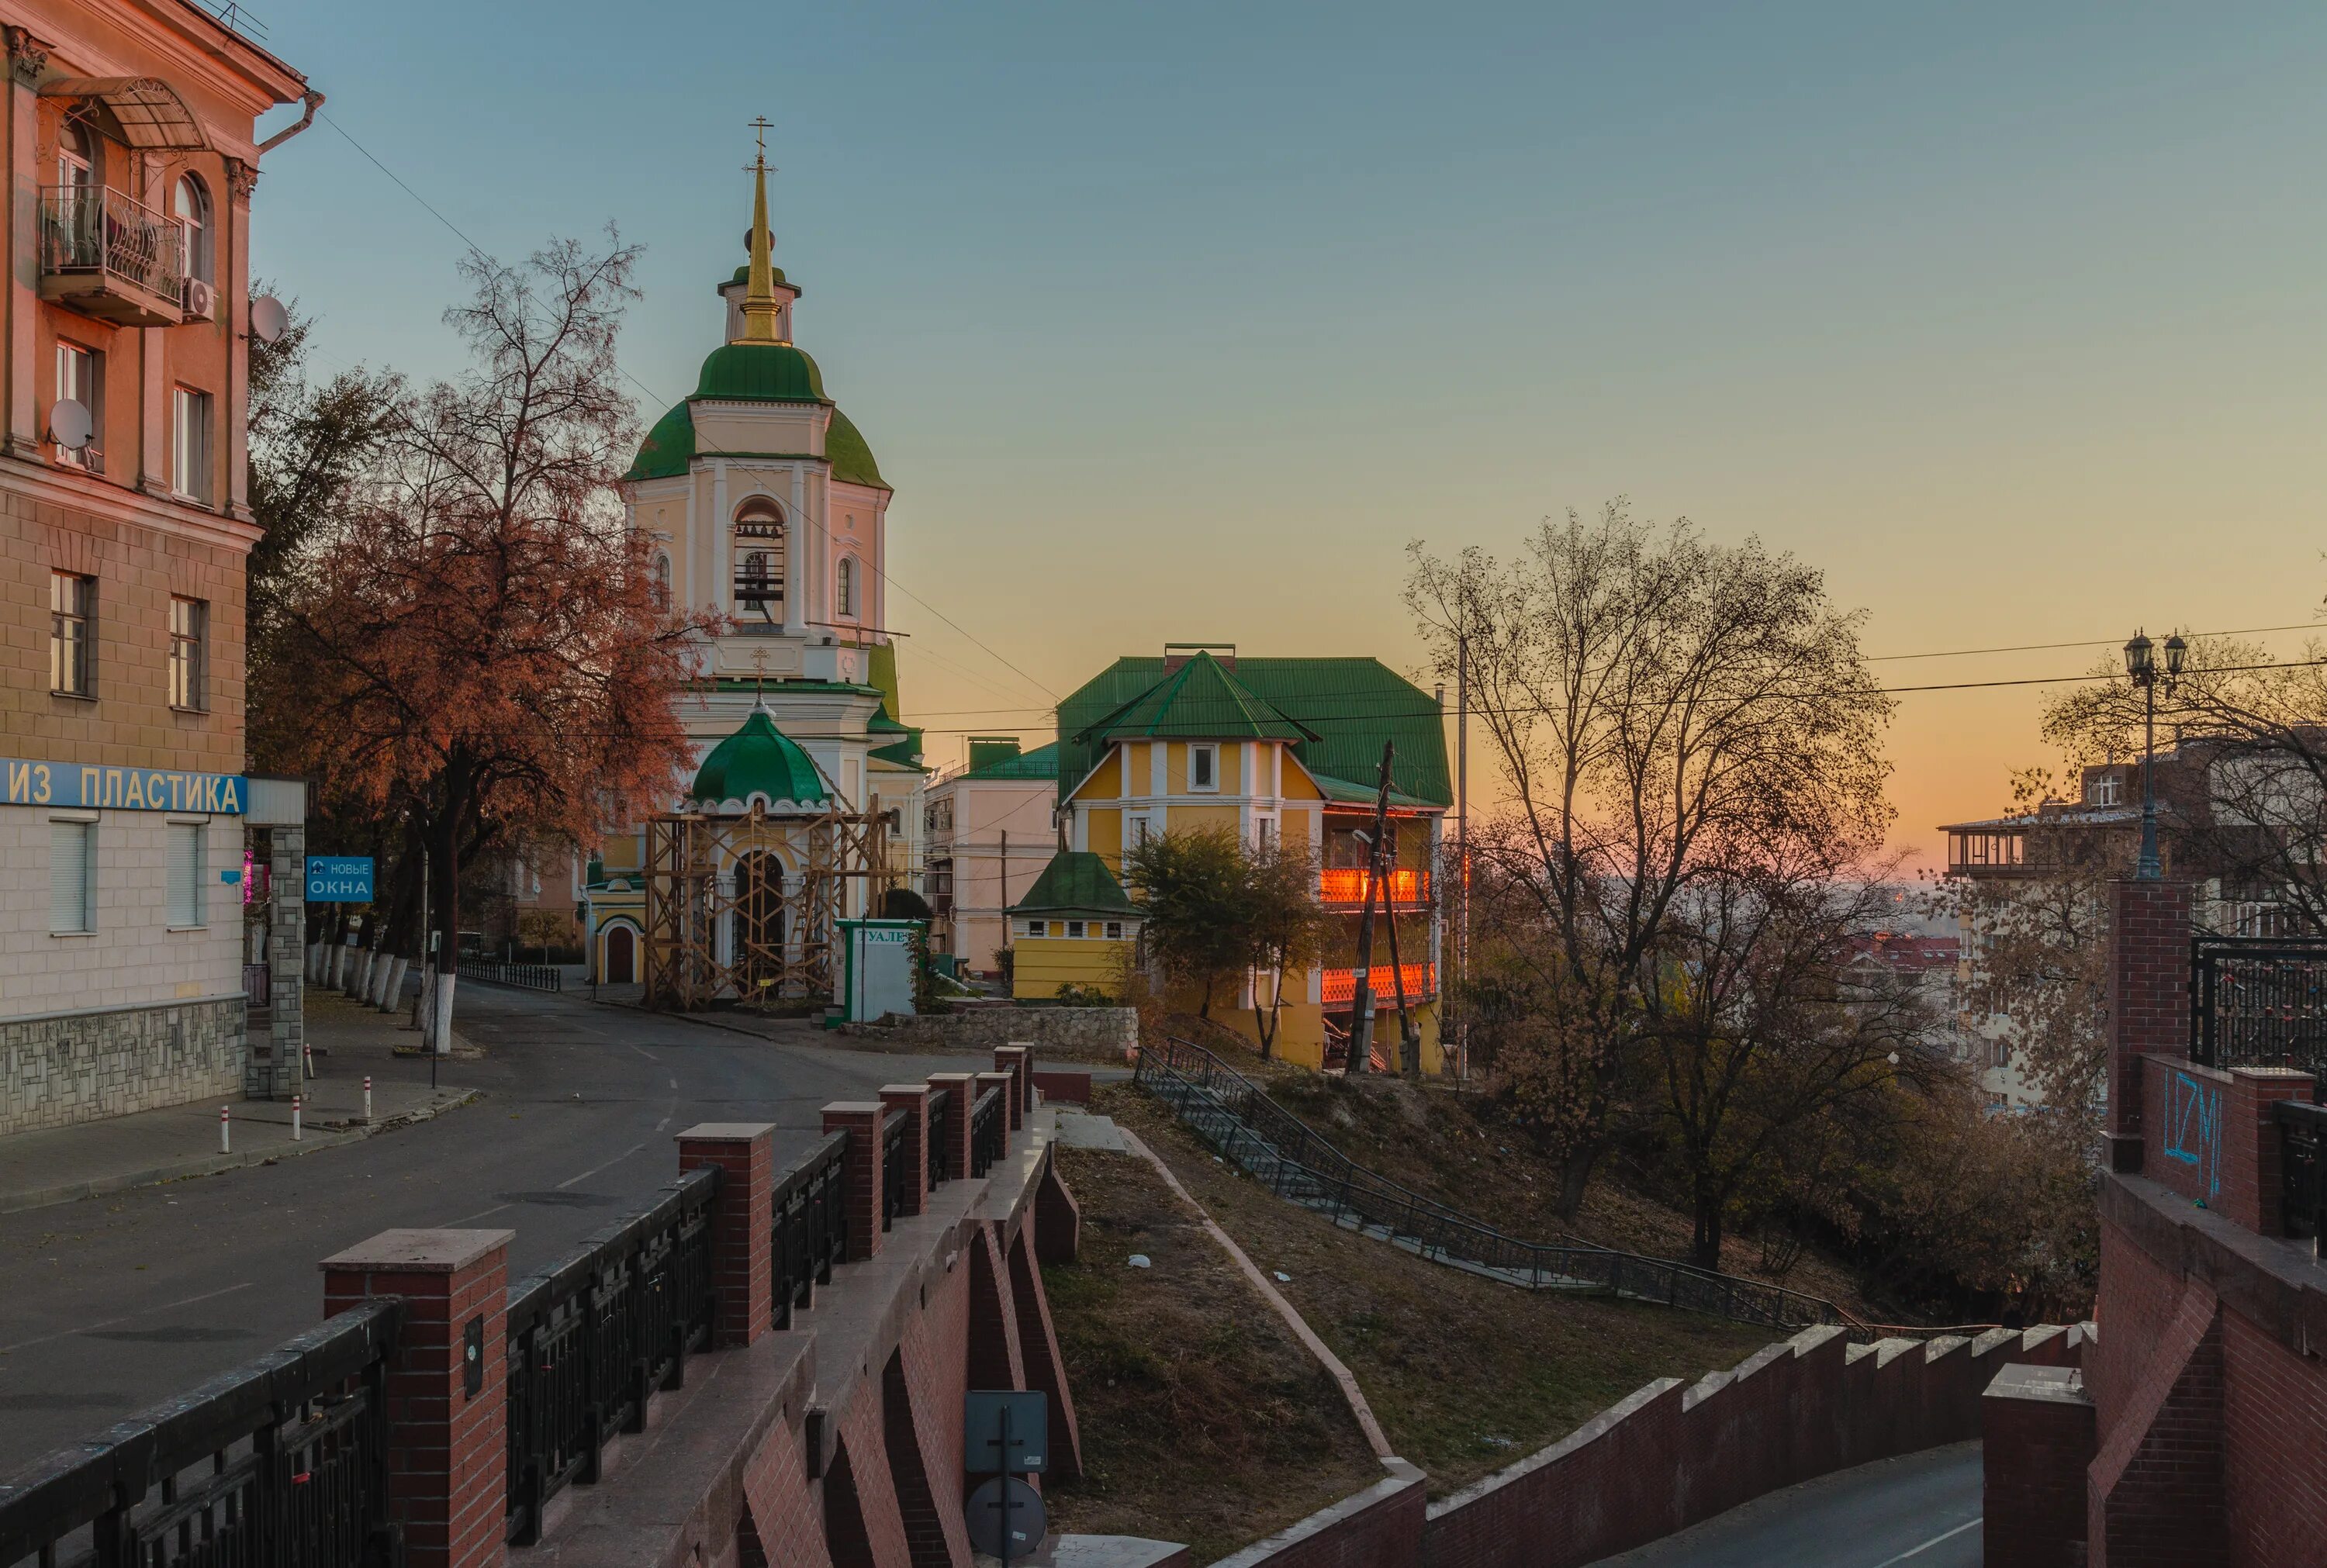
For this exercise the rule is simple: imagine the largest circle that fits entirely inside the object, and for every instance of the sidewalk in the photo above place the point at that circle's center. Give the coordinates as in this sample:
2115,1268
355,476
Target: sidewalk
61,1164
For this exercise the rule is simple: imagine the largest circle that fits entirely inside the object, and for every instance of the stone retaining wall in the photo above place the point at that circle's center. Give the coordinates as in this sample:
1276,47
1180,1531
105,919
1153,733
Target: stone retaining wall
1105,1031
79,1067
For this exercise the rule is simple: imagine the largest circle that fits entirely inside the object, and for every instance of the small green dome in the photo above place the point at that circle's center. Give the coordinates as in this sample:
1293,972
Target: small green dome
668,447
760,373
851,457
744,274
758,759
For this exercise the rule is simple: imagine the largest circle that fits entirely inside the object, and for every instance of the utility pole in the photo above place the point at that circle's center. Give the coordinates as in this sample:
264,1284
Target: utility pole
1361,1024
1462,857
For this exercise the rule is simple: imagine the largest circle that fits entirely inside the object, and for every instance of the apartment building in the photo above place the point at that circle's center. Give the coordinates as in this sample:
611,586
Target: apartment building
146,882
988,828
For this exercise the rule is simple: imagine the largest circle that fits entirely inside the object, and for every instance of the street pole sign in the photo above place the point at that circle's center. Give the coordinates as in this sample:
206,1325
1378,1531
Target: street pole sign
338,879
1005,1431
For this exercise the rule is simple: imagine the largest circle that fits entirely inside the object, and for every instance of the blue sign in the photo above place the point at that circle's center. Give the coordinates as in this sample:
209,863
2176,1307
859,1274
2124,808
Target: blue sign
85,788
338,879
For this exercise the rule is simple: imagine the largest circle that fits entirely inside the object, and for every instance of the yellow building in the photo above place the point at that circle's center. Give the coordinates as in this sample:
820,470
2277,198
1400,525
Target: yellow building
1074,927
1269,749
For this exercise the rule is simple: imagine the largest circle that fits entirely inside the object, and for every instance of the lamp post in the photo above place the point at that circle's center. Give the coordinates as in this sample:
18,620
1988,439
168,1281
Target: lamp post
2141,664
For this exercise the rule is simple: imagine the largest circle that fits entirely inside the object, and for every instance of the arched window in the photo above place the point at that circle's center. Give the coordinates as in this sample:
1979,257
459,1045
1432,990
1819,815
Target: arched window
190,203
662,581
845,599
759,541
76,157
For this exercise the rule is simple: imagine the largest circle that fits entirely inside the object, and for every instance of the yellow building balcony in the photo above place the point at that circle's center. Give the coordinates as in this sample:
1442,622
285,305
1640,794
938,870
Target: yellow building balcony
1340,985
1346,886
109,256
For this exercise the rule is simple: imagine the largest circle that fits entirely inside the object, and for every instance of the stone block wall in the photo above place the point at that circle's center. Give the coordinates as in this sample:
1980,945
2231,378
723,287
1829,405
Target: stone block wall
1105,1031
77,1067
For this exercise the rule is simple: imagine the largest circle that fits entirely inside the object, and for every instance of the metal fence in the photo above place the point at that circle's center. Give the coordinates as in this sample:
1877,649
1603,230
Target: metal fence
281,1463
2301,1170
2258,1002
532,976
592,1338
989,1130
1252,1132
940,1100
810,1220
896,1171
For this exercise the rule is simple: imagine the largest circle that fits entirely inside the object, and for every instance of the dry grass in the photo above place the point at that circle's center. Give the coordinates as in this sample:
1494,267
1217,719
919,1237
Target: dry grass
1465,1375
1204,1420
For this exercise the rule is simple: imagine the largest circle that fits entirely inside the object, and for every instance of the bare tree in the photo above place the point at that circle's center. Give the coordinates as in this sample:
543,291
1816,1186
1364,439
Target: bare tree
1651,698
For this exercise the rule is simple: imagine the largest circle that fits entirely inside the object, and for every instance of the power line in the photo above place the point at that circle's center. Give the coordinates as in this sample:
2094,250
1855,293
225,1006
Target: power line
2089,642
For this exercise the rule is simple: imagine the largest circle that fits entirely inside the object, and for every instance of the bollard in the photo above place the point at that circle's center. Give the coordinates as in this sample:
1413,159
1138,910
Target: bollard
307,1059
366,1101
226,1136
294,1118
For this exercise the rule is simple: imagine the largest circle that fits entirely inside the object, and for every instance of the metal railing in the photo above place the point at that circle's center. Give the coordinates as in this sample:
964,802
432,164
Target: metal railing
896,1171
2301,1170
1346,884
810,1220
592,1338
939,1101
90,229
1254,1132
2258,1002
989,1130
1342,985
532,976
280,1463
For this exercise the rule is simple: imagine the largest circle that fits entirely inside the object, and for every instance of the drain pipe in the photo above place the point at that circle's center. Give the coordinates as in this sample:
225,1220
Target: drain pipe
313,100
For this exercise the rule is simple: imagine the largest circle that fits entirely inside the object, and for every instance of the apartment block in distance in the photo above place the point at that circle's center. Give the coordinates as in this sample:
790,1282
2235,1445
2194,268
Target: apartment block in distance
150,891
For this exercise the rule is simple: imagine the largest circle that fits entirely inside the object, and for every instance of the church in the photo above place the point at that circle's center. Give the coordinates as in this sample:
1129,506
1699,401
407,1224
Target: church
763,502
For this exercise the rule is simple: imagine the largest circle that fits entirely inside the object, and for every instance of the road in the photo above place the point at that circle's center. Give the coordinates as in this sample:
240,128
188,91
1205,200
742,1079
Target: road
114,1304
1922,1511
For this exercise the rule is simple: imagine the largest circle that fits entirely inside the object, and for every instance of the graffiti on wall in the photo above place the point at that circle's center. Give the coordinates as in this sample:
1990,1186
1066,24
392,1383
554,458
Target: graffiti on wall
2193,1127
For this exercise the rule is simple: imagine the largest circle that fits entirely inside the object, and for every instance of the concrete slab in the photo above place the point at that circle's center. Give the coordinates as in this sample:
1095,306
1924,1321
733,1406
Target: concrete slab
1082,1130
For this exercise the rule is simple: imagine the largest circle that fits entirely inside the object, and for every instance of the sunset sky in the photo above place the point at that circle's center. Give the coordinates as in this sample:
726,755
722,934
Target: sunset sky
1179,322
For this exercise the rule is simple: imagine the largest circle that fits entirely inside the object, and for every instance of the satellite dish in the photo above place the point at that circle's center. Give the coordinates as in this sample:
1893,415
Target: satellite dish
268,319
70,424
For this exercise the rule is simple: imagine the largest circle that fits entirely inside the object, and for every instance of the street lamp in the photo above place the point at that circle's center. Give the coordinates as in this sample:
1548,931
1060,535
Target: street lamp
2141,664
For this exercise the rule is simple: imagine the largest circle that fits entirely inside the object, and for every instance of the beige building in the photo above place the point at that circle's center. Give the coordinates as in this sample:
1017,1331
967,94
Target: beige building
128,910
990,830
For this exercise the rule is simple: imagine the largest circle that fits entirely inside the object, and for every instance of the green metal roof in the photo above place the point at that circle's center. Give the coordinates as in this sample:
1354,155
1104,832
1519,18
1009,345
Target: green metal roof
1076,882
758,760
744,274
1349,706
851,457
760,373
1199,701
668,447
1040,764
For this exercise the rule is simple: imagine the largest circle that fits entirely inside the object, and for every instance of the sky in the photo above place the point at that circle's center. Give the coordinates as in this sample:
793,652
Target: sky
1179,322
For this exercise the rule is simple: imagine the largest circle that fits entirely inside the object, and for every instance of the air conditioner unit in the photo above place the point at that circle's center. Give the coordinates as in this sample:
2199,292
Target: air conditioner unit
200,300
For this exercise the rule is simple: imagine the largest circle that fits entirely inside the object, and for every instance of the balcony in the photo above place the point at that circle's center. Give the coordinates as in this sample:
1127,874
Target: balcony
1346,886
1421,981
109,257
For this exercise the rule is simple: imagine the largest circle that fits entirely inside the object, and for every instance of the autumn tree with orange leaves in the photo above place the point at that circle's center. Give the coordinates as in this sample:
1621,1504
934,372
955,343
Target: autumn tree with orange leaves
474,651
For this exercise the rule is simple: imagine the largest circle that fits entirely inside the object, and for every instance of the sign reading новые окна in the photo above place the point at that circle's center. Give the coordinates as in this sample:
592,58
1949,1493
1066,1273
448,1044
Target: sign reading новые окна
338,879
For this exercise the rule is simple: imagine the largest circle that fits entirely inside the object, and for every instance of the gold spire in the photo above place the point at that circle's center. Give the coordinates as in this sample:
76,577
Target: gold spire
760,310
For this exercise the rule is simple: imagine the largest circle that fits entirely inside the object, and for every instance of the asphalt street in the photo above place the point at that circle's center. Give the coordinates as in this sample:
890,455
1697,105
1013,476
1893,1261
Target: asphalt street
115,1303
1920,1511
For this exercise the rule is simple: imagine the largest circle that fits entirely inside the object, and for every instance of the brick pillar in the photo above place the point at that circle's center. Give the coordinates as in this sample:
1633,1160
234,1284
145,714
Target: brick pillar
2037,1437
913,1099
2148,959
447,1447
1017,1060
742,1237
2254,1190
861,1171
1008,1085
953,1129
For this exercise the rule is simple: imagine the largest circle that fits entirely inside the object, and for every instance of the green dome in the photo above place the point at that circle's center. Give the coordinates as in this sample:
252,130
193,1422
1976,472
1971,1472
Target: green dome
758,759
760,373
851,458
744,274
668,447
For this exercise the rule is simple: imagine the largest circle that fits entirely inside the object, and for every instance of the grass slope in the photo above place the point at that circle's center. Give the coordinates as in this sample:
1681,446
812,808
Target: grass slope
1466,1375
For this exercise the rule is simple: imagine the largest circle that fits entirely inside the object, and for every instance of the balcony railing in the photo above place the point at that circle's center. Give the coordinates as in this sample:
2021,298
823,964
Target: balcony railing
2302,1141
1338,885
111,256
1421,980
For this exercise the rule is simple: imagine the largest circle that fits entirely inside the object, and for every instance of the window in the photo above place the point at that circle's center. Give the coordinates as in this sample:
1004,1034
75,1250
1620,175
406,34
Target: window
845,601
190,625
1074,927
760,560
76,164
1115,930
190,203
72,603
72,877
2108,789
79,378
1203,766
190,442
184,895
1037,928
662,581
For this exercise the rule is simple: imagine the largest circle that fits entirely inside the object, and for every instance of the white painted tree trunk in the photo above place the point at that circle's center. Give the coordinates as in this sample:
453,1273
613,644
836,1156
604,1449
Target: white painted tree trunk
390,986
315,951
442,1012
359,974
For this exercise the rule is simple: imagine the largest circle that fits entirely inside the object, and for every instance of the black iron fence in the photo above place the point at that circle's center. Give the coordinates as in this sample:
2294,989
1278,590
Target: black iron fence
989,1130
590,1339
896,1171
810,1219
532,976
281,1463
1252,1132
2302,1171
2258,1002
940,1100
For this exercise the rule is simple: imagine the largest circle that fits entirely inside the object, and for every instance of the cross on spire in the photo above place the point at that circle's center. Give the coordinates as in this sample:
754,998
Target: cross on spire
760,310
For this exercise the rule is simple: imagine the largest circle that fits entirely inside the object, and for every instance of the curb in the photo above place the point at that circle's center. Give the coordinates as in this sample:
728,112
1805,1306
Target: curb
219,1164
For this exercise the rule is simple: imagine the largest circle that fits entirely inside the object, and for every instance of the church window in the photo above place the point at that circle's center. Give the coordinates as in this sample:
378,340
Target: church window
662,581
847,599
759,561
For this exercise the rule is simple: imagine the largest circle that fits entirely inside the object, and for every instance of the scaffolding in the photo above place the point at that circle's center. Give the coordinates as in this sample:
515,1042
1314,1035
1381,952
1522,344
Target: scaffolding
745,910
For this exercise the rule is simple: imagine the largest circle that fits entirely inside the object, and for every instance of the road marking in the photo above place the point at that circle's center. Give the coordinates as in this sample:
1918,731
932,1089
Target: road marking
1918,1551
465,1218
661,1125
595,1168
674,1082
85,1328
